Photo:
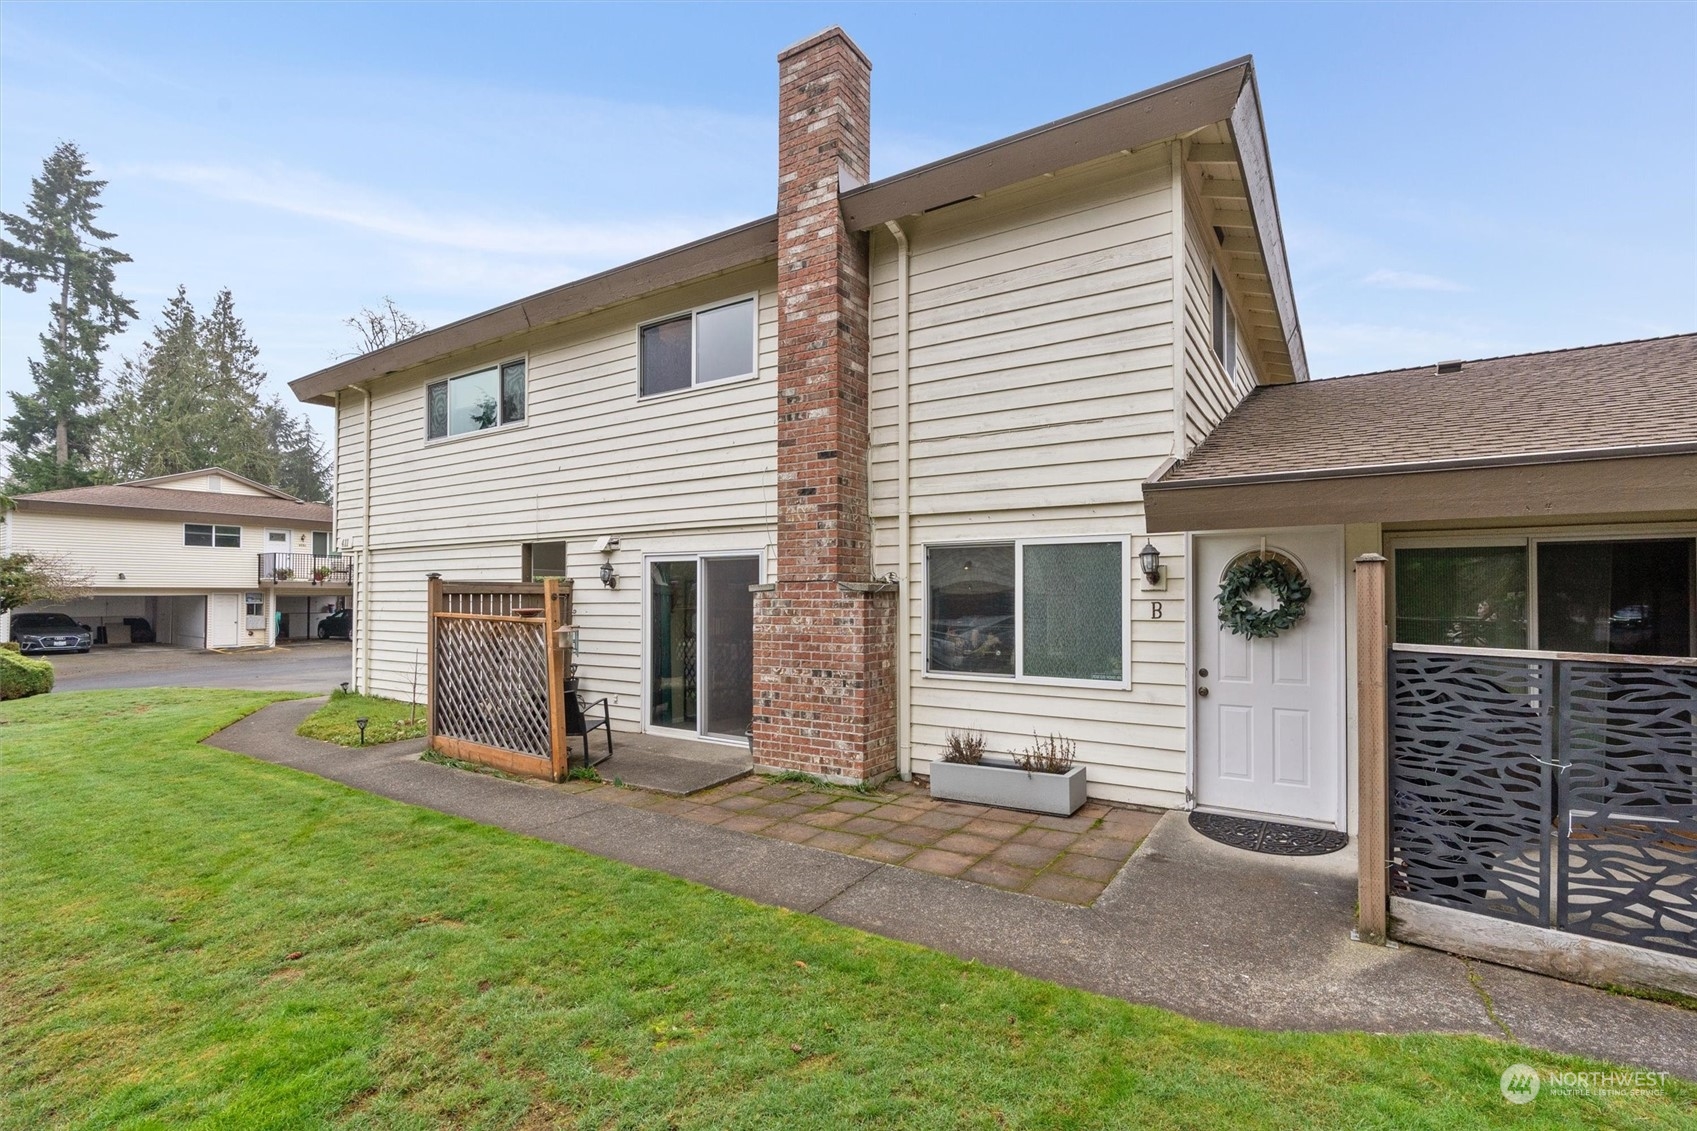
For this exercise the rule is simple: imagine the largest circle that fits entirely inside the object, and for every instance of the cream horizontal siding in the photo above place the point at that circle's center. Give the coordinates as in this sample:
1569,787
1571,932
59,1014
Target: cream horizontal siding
1041,349
148,552
691,471
1210,391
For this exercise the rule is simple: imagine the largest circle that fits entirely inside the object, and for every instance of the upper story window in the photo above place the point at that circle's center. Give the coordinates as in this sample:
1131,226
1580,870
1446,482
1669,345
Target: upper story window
1225,328
473,402
1052,610
710,343
202,534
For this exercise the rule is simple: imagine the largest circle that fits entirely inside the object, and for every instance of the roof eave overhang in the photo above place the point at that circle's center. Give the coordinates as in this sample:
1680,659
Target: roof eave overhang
725,251
1660,480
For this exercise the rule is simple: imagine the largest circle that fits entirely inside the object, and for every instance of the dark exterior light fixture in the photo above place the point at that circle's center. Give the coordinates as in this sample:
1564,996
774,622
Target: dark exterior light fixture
1150,559
609,576
360,723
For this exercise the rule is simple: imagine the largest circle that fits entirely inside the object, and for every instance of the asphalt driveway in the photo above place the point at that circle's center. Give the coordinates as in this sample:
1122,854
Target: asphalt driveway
302,666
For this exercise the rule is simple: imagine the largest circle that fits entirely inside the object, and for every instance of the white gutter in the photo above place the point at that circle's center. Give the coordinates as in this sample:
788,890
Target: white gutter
904,519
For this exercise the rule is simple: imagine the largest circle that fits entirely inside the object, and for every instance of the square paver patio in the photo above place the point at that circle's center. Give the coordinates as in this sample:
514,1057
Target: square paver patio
1068,859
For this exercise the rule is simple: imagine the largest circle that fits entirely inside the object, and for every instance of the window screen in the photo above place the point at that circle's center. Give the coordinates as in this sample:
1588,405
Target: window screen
229,537
1472,596
194,534
666,356
544,559
1072,610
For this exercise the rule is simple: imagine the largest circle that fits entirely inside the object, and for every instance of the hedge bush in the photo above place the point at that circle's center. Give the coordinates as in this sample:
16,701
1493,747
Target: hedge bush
22,676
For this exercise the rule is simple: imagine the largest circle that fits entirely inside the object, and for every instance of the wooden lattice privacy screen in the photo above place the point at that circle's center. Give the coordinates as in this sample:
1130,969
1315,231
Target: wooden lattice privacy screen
498,665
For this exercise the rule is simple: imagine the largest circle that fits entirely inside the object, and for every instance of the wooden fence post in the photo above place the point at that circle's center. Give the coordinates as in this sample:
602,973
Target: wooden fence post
559,752
433,605
1373,796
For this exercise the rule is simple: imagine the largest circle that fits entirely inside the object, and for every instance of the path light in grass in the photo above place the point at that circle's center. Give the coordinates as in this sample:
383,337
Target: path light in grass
360,723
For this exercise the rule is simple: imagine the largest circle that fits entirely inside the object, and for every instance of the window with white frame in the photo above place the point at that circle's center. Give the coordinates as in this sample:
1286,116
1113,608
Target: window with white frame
206,534
1047,610
255,604
1225,327
475,402
698,347
1632,596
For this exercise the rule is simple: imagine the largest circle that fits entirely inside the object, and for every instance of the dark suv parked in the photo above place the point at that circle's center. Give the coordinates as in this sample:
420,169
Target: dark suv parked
50,632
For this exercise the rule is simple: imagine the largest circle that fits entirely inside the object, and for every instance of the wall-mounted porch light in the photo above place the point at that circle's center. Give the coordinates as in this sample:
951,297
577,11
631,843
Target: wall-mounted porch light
606,546
1149,560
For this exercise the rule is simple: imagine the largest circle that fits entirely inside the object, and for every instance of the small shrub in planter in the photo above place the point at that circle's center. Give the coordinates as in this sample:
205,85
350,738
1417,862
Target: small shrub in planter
1052,755
320,573
964,748
284,574
23,676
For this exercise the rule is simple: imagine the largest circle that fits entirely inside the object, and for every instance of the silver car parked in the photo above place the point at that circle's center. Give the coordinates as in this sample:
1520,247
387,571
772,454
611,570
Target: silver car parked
50,632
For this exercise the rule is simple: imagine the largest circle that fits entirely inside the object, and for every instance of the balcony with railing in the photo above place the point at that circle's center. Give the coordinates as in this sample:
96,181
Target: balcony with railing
306,570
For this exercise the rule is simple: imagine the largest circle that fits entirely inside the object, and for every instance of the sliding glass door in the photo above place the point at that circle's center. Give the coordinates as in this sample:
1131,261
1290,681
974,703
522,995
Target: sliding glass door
701,644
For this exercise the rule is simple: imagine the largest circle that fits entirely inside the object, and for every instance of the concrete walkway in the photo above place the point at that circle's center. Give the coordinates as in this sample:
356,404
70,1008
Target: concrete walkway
1192,926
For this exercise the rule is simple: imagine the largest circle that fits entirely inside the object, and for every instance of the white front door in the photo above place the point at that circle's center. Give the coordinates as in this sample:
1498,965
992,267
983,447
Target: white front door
1269,712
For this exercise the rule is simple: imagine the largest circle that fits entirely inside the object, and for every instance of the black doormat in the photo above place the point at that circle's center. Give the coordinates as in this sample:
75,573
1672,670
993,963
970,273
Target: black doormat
1271,837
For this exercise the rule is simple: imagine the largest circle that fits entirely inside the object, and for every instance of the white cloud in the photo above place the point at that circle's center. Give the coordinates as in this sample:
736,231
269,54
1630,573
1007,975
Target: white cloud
311,195
1411,281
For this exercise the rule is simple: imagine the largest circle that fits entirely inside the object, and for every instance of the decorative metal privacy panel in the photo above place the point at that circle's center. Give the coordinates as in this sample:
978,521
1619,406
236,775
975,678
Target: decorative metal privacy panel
1469,782
492,682
1555,791
1627,801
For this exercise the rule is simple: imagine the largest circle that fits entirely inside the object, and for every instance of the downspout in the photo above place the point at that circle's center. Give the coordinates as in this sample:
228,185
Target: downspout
904,520
362,623
1181,272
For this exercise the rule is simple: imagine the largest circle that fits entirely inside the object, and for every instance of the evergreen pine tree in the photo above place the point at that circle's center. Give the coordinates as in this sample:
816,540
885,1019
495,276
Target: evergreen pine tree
55,244
192,398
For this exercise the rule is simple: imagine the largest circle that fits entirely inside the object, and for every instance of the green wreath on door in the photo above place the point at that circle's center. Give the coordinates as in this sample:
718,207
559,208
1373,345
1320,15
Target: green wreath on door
1289,589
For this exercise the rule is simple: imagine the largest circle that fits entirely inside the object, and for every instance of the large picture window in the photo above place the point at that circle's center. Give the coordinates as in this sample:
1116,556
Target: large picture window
474,402
1038,610
714,343
1614,596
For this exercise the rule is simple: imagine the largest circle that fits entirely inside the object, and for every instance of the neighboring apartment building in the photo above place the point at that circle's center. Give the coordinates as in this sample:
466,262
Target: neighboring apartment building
207,558
874,469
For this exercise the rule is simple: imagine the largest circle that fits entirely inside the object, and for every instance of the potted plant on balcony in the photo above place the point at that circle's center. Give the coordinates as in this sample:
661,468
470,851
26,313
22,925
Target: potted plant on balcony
1042,778
282,573
320,574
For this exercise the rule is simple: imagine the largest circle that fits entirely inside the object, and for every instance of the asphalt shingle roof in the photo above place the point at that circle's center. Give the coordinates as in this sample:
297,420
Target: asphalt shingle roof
1623,395
213,504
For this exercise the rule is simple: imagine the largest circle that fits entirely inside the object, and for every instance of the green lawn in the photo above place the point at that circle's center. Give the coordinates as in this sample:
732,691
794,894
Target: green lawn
194,938
387,720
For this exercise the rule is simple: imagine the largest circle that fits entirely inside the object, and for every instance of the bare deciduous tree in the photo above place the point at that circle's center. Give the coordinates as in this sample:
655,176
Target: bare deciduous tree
382,327
28,579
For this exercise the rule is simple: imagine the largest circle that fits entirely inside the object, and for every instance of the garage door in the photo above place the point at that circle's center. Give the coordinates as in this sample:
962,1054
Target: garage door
224,621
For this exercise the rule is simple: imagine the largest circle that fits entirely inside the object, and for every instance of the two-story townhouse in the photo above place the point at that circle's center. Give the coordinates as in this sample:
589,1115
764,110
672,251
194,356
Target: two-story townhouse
207,558
912,415
1023,442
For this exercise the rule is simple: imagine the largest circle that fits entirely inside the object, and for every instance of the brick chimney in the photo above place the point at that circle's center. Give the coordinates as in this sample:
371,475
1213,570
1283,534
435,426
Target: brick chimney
824,643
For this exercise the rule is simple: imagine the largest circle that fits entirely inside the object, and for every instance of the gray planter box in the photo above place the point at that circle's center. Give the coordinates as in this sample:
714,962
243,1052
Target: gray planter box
1009,787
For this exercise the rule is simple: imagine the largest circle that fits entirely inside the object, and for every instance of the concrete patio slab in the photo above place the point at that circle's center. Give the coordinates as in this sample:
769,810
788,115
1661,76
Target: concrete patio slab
1200,928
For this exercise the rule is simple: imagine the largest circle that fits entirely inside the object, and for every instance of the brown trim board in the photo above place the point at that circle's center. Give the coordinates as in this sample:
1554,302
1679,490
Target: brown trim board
1550,490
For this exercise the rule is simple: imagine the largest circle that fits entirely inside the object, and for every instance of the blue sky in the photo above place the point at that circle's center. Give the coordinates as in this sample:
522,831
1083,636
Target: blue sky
1455,180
